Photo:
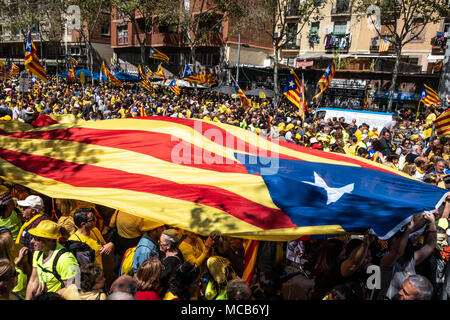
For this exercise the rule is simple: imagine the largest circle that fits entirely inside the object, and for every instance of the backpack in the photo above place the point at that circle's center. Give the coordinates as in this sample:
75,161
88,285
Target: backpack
126,266
82,252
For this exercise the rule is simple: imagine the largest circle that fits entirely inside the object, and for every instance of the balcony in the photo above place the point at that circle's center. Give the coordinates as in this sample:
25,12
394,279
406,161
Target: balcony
375,47
292,12
438,44
337,42
290,46
341,9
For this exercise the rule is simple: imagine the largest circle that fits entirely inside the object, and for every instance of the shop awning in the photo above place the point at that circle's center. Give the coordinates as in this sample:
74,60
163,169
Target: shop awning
435,58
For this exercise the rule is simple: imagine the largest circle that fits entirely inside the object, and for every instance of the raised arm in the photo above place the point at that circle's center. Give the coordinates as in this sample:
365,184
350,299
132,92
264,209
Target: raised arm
397,248
429,241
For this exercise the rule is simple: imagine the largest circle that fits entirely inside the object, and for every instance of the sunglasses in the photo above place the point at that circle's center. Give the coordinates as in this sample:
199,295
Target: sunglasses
38,238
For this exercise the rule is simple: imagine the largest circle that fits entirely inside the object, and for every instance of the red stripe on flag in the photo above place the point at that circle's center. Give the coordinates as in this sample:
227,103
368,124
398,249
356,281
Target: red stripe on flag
91,176
132,141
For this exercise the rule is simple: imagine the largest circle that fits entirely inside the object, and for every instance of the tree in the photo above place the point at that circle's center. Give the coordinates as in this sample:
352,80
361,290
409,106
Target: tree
403,20
92,14
271,16
142,13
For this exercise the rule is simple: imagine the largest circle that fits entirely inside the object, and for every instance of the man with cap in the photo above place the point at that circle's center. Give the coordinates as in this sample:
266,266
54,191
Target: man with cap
53,266
147,246
9,215
32,213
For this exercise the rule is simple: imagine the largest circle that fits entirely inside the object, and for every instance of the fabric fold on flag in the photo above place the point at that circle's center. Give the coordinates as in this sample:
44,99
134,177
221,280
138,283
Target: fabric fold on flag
160,73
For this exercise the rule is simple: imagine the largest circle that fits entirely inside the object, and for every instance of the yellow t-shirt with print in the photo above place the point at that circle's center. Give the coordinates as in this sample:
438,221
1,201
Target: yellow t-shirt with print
94,240
66,268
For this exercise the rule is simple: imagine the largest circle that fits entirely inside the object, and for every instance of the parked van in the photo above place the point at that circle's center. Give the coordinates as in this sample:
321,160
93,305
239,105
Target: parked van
373,119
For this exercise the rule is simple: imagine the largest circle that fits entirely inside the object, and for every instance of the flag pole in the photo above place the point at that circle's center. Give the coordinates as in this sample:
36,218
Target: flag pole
417,115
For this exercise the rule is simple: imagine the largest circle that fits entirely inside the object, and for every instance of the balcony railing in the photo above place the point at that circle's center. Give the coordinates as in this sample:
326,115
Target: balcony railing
340,42
375,47
292,12
343,8
290,46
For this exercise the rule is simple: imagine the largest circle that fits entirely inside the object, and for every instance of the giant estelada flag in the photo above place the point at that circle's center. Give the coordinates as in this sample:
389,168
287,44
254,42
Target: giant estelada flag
204,176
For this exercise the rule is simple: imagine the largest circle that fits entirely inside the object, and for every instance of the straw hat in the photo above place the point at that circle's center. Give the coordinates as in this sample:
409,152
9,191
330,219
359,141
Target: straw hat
46,229
217,268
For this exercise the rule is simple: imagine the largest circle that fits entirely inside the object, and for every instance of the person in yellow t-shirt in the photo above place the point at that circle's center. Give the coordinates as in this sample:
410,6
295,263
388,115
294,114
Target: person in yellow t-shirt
194,250
431,116
84,219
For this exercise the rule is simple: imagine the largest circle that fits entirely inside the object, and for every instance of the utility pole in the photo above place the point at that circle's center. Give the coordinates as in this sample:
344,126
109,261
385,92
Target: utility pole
239,55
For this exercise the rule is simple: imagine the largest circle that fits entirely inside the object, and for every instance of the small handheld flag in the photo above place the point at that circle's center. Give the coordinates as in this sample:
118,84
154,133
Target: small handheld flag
110,76
173,86
326,79
244,100
145,82
160,73
32,64
429,96
155,54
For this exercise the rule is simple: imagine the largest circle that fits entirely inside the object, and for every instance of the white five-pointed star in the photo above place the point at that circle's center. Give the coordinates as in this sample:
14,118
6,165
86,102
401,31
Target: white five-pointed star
333,194
291,84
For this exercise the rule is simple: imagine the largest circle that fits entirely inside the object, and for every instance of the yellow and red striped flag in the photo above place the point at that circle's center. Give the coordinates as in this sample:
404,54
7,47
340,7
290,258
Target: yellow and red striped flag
429,96
173,86
14,69
384,45
155,54
326,79
159,72
32,64
145,82
110,76
442,124
250,257
244,100
180,171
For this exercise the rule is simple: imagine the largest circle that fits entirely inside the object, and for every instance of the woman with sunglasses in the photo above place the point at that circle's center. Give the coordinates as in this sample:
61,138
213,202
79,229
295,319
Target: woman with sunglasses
8,280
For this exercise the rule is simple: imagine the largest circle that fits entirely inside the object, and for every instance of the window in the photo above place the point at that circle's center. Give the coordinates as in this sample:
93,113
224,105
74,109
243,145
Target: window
74,51
417,33
105,30
291,35
122,35
340,28
313,36
210,59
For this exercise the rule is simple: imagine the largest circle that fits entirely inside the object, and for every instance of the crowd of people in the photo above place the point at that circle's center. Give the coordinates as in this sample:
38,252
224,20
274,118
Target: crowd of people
69,249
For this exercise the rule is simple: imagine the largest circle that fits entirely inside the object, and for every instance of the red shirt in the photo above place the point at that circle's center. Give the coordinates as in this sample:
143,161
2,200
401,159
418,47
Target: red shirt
147,295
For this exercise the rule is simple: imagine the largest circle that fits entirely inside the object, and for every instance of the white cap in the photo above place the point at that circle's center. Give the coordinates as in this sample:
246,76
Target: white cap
34,202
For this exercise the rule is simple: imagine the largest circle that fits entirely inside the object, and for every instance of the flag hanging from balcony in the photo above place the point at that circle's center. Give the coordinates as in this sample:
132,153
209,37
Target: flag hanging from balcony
110,76
173,86
244,100
384,45
160,73
442,124
155,54
326,79
429,96
32,64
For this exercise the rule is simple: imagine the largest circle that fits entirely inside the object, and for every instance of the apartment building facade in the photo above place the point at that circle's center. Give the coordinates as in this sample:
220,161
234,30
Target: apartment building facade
224,47
53,52
353,42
